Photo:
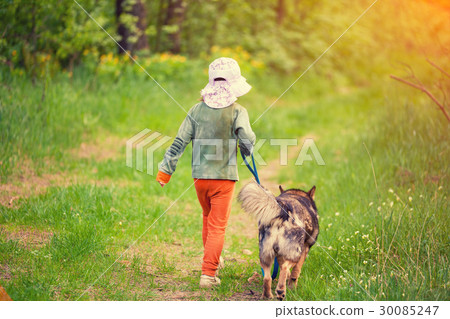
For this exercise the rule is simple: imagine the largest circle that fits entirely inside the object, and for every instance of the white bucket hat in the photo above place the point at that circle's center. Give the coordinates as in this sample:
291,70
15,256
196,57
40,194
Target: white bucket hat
220,94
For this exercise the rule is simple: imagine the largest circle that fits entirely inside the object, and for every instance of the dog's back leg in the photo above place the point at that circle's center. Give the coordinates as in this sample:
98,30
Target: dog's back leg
267,285
298,268
285,266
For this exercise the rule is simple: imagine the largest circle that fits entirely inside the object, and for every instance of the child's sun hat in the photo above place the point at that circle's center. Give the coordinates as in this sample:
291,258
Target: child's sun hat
220,94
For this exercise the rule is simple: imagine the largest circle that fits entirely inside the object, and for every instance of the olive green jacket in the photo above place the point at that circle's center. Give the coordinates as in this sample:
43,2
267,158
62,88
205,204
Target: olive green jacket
214,134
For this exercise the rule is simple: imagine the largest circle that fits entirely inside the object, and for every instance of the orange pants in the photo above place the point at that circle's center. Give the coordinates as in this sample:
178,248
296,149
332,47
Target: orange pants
215,197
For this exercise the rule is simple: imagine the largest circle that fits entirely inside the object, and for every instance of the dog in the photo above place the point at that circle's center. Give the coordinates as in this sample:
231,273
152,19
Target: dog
288,227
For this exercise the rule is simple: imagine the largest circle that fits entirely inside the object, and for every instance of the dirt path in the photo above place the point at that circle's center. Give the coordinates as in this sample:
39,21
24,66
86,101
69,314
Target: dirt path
186,257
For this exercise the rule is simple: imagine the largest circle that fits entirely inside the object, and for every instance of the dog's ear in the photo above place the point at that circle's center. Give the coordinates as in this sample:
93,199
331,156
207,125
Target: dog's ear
312,192
281,189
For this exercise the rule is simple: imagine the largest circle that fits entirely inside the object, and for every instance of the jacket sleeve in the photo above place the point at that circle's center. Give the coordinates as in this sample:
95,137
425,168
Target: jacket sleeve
244,131
184,136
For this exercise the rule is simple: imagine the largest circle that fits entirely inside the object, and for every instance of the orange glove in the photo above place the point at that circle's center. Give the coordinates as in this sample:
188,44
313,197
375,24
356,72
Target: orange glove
163,178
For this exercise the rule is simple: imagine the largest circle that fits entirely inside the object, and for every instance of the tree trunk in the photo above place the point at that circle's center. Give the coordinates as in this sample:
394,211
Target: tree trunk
138,10
175,16
159,26
280,11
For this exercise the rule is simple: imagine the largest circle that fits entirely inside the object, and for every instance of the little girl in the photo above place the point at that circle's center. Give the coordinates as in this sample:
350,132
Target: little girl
213,125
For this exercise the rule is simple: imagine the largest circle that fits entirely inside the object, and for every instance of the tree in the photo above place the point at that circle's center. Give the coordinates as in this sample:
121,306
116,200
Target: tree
280,12
174,18
131,25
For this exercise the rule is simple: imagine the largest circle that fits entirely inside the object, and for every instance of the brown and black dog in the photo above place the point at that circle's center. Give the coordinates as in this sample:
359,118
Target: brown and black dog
288,227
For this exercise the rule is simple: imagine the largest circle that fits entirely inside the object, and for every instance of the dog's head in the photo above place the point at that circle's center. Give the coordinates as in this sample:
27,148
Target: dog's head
298,192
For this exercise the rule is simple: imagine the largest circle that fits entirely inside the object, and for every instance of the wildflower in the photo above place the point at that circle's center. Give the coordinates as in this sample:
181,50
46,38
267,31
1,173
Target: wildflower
357,232
410,198
365,262
379,208
391,204
120,223
337,213
439,188
370,204
363,226
348,239
384,204
330,248
391,190
330,224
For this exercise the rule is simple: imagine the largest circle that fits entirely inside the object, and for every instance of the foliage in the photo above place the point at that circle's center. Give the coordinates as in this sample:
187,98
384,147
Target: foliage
62,31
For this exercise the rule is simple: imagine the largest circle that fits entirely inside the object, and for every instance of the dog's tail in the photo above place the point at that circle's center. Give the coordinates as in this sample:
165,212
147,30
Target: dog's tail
259,202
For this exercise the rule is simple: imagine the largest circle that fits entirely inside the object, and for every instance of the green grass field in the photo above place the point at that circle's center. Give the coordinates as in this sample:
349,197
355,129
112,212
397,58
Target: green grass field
70,207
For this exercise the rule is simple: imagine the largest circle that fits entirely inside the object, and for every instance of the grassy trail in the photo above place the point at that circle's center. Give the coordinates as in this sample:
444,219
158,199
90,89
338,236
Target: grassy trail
72,208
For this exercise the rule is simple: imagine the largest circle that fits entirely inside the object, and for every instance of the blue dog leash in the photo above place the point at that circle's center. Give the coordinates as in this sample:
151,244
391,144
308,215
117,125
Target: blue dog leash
255,174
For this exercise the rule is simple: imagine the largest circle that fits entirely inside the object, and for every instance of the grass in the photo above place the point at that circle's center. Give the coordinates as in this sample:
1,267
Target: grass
382,237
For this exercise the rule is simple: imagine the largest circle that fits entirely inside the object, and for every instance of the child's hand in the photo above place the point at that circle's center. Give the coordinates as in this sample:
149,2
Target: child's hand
162,178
